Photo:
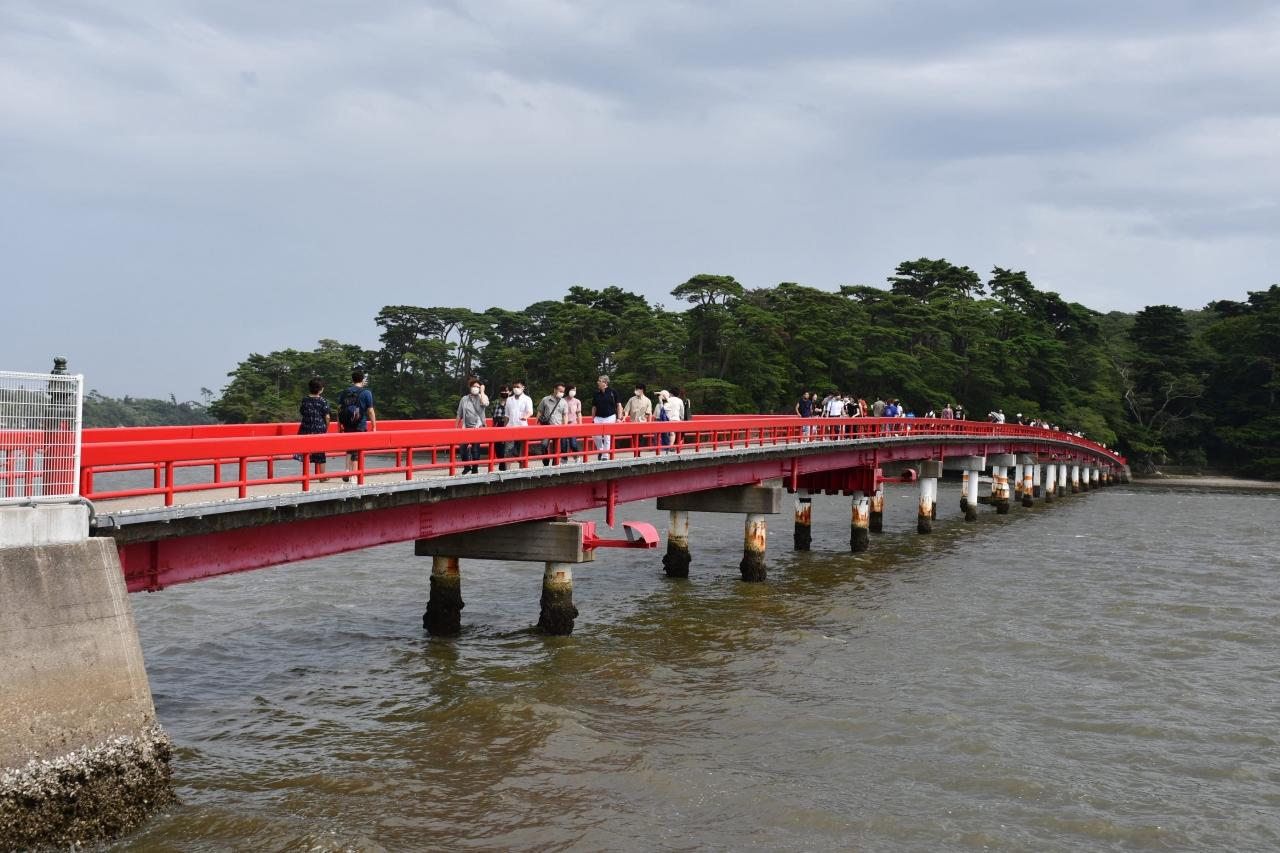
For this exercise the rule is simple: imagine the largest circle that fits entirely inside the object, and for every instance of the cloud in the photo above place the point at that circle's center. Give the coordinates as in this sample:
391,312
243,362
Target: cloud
250,175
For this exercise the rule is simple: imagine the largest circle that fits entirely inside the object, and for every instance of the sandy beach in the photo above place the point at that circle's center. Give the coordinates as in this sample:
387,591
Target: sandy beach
1208,482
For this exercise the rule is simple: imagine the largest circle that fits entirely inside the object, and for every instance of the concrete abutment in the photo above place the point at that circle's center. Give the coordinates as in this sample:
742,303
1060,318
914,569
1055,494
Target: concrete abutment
82,758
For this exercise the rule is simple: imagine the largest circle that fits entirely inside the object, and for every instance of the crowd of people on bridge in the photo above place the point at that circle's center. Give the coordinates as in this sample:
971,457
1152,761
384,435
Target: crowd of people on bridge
840,405
513,407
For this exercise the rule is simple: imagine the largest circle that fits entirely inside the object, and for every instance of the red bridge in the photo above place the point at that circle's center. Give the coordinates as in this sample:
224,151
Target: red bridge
186,503
174,504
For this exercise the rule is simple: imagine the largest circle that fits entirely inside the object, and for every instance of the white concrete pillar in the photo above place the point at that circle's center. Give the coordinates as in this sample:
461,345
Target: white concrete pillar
971,495
1050,482
1036,479
929,470
928,494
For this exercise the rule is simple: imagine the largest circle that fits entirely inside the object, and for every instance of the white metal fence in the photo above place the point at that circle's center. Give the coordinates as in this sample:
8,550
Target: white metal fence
39,436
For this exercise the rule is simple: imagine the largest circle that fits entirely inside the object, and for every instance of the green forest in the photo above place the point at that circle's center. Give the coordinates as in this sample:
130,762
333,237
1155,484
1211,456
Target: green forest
1164,385
103,411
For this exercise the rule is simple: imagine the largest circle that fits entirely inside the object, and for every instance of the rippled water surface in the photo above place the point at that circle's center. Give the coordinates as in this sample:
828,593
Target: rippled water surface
1098,674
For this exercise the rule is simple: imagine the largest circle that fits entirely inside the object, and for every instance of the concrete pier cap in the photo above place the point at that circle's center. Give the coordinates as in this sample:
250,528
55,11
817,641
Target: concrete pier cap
761,500
965,463
1002,460
929,469
81,757
527,541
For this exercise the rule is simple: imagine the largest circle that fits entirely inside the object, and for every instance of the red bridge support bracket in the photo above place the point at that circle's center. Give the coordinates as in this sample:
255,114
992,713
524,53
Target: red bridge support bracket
638,533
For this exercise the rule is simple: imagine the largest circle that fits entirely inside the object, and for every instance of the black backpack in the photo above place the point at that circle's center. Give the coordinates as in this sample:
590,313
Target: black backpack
349,411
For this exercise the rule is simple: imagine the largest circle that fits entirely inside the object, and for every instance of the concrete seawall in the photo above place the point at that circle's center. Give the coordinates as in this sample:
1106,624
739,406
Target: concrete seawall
81,757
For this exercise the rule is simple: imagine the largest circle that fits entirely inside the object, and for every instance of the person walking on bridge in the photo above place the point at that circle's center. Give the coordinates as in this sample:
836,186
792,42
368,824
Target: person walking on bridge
606,408
639,410
519,410
804,409
670,409
356,412
499,416
573,416
553,410
833,407
316,415
471,416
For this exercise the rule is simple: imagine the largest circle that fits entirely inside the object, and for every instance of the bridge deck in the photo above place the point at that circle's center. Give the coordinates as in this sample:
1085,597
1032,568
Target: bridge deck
179,515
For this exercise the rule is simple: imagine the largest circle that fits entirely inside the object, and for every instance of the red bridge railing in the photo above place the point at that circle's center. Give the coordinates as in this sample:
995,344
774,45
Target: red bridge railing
165,462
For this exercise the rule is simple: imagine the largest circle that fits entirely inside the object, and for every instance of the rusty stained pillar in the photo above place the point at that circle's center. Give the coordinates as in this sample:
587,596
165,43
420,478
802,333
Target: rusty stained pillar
964,492
676,561
755,536
1017,482
1026,463
444,606
859,524
1000,464
875,523
1000,489
556,611
804,523
1075,479
1050,482
1035,479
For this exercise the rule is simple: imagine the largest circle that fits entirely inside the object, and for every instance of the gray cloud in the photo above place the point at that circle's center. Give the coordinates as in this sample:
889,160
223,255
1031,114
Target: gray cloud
184,182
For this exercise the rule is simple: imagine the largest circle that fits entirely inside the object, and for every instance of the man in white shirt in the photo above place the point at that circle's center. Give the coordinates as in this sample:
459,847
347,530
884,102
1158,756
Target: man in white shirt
519,410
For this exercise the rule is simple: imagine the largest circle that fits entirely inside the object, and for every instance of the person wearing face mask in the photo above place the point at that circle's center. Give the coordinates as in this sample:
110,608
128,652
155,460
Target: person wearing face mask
639,410
553,410
573,416
519,410
499,416
471,416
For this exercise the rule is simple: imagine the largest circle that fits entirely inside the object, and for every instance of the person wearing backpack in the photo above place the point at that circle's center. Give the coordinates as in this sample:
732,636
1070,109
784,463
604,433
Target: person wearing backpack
356,412
499,416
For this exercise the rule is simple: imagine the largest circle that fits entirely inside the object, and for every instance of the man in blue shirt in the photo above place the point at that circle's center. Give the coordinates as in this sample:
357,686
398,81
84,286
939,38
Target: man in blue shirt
357,396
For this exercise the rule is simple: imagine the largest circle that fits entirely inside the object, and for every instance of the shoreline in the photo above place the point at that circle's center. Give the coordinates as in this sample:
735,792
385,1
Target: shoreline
1208,482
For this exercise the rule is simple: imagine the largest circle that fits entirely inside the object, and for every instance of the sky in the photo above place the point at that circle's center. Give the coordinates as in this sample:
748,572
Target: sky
184,182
